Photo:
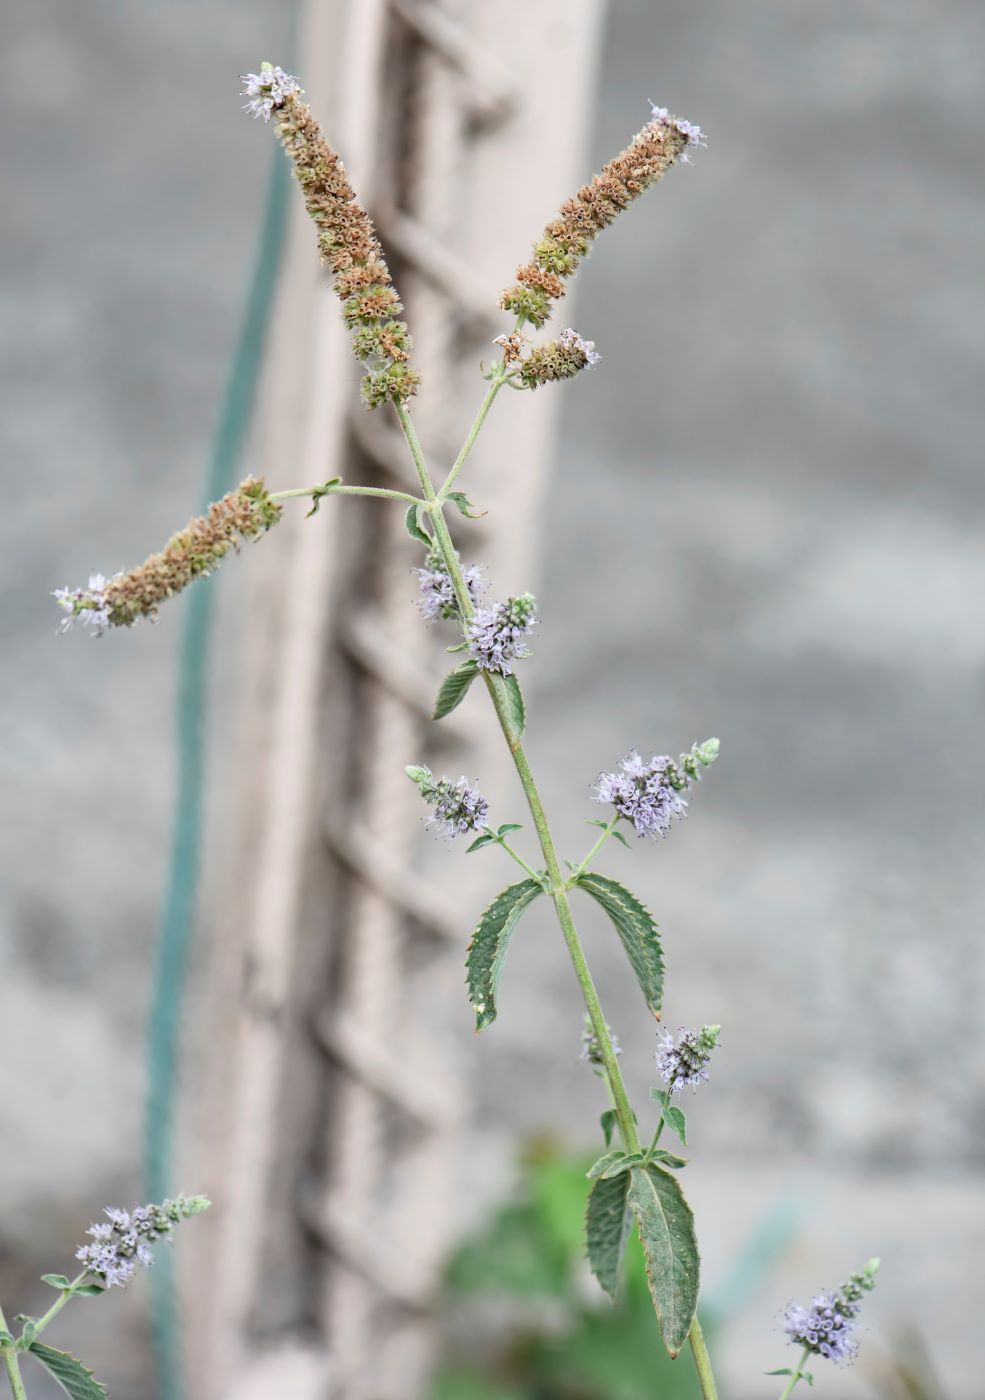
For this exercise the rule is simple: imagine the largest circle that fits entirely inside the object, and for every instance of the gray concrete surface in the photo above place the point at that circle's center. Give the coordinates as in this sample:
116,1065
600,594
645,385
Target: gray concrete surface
767,526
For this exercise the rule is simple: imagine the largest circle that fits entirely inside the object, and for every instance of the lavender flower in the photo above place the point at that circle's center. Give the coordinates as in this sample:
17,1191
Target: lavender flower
86,605
690,130
269,88
591,1050
648,792
496,634
684,1063
125,1238
458,807
822,1328
437,598
571,340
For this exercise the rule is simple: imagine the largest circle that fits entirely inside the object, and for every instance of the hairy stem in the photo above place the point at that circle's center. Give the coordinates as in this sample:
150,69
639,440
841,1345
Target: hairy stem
797,1375
556,882
12,1365
60,1302
318,491
610,828
519,860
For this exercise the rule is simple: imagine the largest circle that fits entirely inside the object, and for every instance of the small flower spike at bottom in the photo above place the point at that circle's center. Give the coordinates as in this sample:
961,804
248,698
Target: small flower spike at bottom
827,1327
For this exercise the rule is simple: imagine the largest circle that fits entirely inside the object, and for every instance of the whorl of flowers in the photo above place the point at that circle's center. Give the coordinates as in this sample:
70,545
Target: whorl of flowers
648,791
458,806
567,239
683,1063
126,1238
192,553
346,239
827,1327
437,598
269,88
496,635
591,1049
558,359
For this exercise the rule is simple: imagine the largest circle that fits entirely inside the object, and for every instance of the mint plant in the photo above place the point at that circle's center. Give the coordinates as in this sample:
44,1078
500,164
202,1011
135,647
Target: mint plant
634,1183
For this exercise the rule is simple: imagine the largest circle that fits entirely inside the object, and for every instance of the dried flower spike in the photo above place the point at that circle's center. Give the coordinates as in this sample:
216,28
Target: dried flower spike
193,552
458,806
566,240
126,1237
496,635
346,239
683,1063
558,359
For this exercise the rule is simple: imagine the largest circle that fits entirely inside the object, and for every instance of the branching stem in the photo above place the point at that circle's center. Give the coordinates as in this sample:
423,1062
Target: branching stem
797,1374
12,1365
317,492
580,870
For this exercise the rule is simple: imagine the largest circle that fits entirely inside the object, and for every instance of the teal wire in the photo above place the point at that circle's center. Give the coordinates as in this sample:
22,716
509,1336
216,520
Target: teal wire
184,870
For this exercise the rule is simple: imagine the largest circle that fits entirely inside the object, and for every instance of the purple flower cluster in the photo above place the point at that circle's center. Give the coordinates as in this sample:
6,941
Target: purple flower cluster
571,340
647,792
682,1063
126,1237
269,88
695,136
496,634
591,1049
458,807
827,1327
86,605
437,598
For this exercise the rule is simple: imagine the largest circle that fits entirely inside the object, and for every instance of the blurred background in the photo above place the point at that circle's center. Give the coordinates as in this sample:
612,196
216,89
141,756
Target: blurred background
759,518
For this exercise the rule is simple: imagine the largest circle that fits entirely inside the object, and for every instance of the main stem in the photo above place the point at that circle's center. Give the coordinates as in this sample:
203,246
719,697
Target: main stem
625,1117
12,1366
798,1373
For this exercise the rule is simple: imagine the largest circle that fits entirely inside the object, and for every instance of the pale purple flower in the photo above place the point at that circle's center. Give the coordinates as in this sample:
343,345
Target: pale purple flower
458,807
571,340
591,1049
496,634
437,598
825,1328
695,136
86,605
269,88
125,1238
683,1063
647,792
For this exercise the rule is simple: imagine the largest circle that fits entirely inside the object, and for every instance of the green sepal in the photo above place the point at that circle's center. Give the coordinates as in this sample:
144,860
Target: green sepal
454,688
56,1281
412,521
607,1224
465,505
670,1250
660,1154
320,491
637,931
76,1380
486,839
608,1123
488,947
508,689
597,1168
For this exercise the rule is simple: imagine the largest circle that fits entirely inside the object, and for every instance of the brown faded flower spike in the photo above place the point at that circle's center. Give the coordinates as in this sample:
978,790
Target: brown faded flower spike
346,238
566,240
192,553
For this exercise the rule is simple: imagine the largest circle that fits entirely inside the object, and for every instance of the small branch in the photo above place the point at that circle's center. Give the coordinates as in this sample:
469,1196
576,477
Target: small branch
500,841
12,1365
580,870
797,1375
60,1302
317,492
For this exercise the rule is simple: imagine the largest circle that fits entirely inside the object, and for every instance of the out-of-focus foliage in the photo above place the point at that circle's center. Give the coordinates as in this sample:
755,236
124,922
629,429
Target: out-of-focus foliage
526,1321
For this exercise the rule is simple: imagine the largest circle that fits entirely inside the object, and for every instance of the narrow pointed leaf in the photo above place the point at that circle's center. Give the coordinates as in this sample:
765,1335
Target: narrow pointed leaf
608,1123
488,947
454,688
637,930
603,1163
508,689
607,1222
75,1379
669,1159
55,1280
465,505
666,1228
479,842
675,1120
615,1168
508,827
414,528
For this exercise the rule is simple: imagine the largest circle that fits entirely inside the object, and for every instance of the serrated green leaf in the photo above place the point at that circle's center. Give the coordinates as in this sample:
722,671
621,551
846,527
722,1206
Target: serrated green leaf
414,529
666,1229
637,930
479,842
632,1160
55,1281
488,947
465,505
507,827
662,1155
676,1122
454,688
75,1379
511,697
608,1121
597,1168
607,1222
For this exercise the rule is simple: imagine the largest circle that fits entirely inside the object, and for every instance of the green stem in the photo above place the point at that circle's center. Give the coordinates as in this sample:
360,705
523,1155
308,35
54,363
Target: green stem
610,828
59,1302
519,860
12,1365
702,1361
797,1375
556,883
317,492
659,1129
496,384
